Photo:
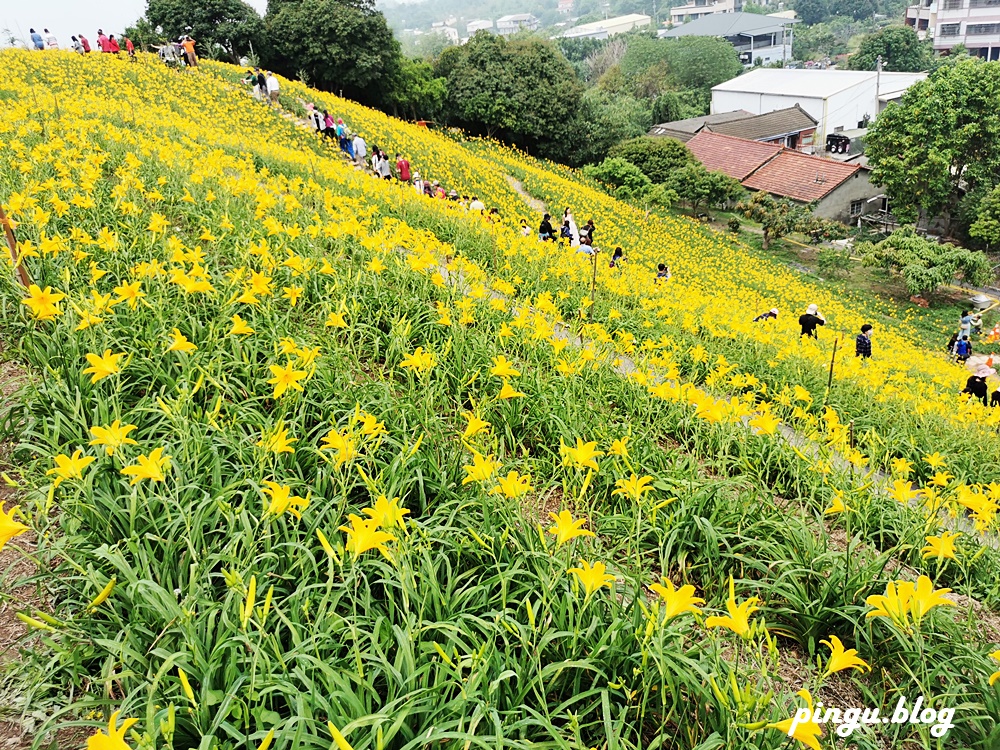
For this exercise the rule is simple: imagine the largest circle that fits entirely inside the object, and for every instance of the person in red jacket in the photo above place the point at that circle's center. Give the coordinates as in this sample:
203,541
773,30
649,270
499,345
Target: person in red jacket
130,48
102,41
85,43
113,45
402,168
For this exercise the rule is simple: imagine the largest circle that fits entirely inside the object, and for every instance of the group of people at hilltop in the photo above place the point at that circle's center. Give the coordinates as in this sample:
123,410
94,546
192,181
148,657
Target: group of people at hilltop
105,43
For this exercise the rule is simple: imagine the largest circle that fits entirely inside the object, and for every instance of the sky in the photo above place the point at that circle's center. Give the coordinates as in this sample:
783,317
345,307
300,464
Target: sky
64,18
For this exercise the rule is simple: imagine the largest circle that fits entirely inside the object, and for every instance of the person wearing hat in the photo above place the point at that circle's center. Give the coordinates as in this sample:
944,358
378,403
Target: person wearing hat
810,321
863,343
771,314
976,386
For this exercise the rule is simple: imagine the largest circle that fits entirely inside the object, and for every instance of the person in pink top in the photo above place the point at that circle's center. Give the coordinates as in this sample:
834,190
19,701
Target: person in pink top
85,43
130,48
103,42
113,45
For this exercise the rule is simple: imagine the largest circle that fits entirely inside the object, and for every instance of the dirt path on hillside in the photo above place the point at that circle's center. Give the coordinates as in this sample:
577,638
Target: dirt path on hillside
532,201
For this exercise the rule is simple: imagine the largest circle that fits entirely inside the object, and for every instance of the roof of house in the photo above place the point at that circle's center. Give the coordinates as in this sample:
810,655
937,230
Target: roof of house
692,125
516,17
799,176
812,84
728,24
735,157
766,126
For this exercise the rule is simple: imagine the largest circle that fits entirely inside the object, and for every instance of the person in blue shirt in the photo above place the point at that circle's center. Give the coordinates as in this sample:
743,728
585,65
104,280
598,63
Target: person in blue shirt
963,349
36,39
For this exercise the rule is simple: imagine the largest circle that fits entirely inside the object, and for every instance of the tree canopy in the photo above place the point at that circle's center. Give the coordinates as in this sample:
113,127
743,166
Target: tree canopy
657,158
699,62
230,24
337,44
924,265
522,90
941,141
899,47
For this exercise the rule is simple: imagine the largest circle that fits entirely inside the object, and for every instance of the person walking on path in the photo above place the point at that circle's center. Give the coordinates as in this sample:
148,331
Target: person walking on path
77,47
261,84
570,223
360,150
102,41
317,119
113,47
86,44
965,324
963,349
36,39
863,343
50,40
273,89
130,48
810,321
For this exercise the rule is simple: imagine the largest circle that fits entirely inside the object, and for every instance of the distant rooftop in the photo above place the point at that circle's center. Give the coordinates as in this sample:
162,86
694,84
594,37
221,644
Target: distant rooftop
728,24
515,18
684,130
799,176
608,23
768,125
812,84
735,157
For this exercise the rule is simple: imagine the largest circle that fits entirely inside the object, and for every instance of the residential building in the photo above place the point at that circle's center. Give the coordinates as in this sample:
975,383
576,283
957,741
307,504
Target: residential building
481,25
974,23
837,99
836,190
792,127
922,17
763,39
685,130
507,25
565,7
608,27
700,8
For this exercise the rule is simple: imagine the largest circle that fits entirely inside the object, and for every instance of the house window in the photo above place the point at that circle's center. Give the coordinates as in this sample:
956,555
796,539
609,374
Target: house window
952,4
981,28
950,29
983,3
857,207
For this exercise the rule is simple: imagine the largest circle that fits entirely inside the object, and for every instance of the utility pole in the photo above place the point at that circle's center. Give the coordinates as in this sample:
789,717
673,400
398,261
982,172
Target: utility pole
878,81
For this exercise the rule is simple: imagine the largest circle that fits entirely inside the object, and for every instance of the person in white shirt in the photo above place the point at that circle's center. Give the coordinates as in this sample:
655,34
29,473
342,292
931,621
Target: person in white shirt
318,121
360,150
273,88
477,205
418,183
77,45
50,40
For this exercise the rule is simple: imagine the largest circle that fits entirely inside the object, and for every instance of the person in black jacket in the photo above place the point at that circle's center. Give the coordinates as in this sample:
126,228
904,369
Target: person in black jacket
545,231
976,387
863,343
810,321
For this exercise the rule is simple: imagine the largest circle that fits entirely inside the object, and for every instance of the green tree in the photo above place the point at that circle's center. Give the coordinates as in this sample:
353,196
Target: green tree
925,265
701,62
521,90
698,187
899,47
621,178
339,44
986,226
417,94
231,25
811,11
667,108
643,52
776,216
657,158
603,120
941,141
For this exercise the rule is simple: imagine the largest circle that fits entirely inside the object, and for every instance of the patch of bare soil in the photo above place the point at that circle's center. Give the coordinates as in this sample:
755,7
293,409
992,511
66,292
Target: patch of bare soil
536,508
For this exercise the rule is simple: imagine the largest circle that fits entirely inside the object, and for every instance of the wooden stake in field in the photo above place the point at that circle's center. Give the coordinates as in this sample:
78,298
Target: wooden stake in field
8,230
833,359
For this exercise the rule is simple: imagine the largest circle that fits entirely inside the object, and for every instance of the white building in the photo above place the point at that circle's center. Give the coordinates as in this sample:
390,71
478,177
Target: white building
481,25
608,27
973,23
837,99
700,8
757,39
507,25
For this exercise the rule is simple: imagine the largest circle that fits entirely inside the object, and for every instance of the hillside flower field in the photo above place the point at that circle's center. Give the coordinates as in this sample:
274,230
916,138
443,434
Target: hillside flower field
315,461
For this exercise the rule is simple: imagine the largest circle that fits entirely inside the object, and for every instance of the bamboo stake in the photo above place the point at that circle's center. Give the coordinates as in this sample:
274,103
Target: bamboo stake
19,270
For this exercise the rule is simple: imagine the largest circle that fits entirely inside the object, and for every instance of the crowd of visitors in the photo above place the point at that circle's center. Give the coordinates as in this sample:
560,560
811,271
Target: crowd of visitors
79,43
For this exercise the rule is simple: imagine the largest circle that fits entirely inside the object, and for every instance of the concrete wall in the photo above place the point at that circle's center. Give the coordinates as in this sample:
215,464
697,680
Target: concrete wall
837,205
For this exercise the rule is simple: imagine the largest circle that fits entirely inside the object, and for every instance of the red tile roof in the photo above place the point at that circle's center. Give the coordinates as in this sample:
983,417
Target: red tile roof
735,157
799,176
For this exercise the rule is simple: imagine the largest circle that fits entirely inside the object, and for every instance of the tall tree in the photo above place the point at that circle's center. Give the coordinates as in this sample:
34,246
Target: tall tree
777,216
338,44
230,24
899,47
941,141
521,90
657,158
811,11
701,62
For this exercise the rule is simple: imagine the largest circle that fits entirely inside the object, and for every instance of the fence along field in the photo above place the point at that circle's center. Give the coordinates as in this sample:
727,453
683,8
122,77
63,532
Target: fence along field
310,461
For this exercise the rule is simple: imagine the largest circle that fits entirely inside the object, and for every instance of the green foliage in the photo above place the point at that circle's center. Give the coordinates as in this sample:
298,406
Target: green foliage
417,94
899,47
923,264
701,62
644,52
811,11
657,158
941,141
698,187
622,178
230,24
734,225
777,216
660,196
986,227
521,90
820,229
340,45
603,121
667,108
832,262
